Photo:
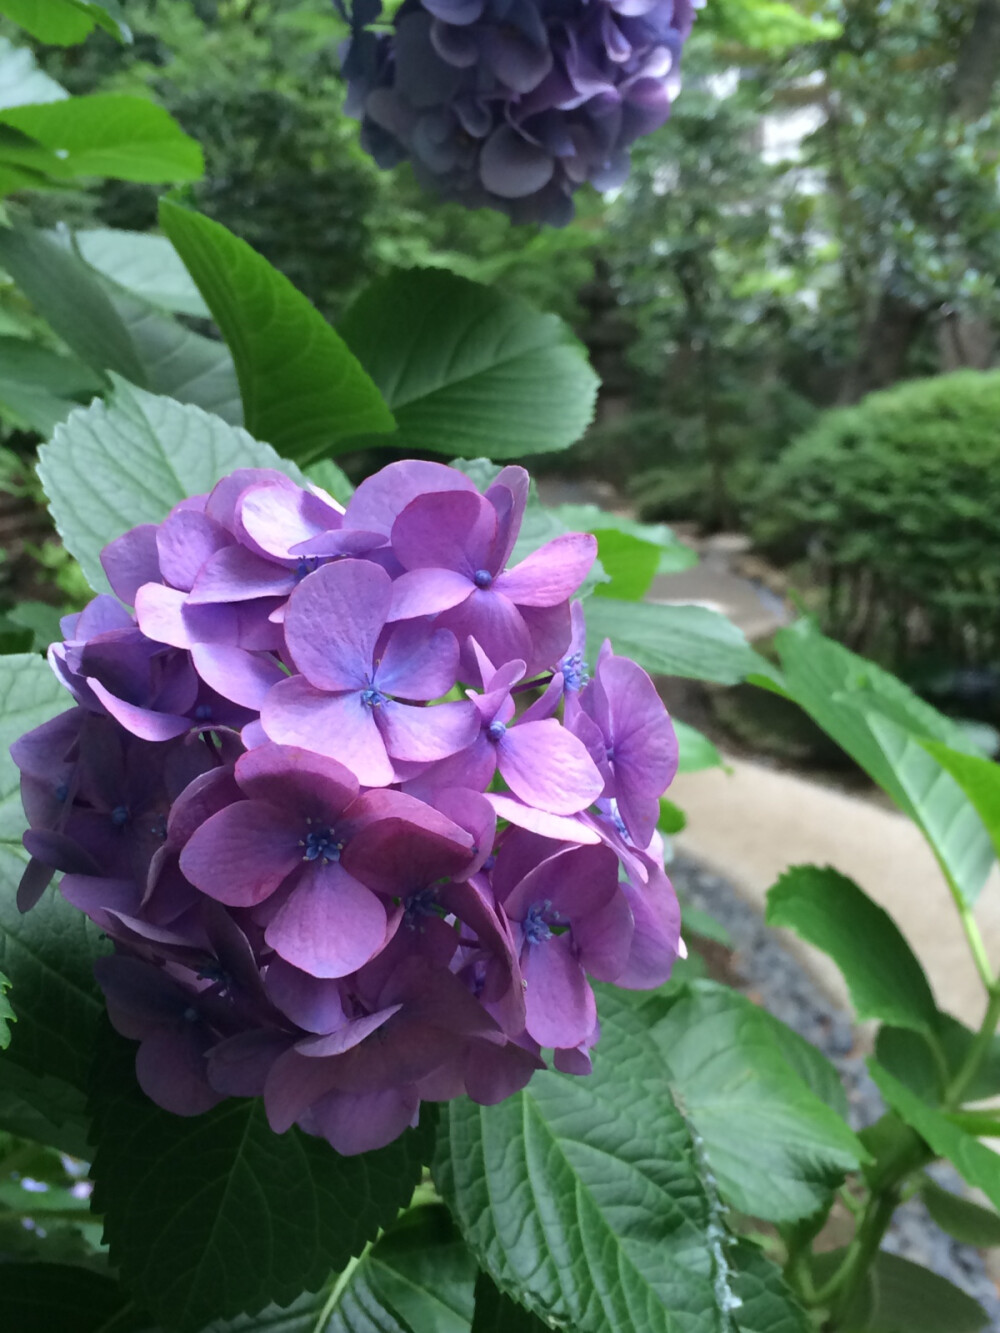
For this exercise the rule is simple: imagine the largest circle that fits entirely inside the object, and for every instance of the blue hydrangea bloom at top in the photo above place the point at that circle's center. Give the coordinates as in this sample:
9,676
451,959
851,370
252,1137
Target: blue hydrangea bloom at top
513,104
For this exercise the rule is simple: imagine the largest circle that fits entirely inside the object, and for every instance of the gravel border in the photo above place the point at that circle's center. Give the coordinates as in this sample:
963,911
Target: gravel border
764,968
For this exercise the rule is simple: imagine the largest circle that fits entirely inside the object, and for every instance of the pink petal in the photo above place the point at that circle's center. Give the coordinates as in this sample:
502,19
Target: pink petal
495,623
425,592
333,623
381,498
330,926
561,1010
354,1123
549,633
224,499
642,739
314,1003
240,855
184,541
445,530
551,574
603,939
243,678
425,734
298,780
576,882
418,663
508,495
340,727
274,518
542,823
131,560
235,574
546,766
172,1071
143,722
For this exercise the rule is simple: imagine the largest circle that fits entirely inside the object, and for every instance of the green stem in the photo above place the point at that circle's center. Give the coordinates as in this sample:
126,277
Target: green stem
975,939
874,1225
977,1051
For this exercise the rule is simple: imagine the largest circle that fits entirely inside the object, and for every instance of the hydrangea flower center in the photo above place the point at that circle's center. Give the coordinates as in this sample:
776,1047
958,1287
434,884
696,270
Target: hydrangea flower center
482,578
536,928
373,698
120,816
321,845
496,731
420,905
574,672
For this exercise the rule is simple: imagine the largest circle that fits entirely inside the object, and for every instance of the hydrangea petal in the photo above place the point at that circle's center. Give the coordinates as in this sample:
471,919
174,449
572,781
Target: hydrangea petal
330,926
333,622
547,767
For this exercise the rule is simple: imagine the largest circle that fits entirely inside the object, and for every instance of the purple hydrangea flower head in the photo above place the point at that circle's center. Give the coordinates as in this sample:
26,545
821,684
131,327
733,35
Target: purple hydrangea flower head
339,789
513,104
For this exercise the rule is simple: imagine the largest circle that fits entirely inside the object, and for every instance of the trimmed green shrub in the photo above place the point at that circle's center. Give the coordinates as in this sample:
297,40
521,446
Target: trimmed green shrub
894,504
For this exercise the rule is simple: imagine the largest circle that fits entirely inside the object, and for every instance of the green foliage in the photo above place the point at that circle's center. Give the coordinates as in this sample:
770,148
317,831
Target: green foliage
695,750
64,22
302,389
7,1015
968,1222
667,640
468,371
979,1165
218,1215
35,1295
584,1198
902,1297
497,1313
896,502
418,1278
130,461
880,724
108,134
828,910
736,1083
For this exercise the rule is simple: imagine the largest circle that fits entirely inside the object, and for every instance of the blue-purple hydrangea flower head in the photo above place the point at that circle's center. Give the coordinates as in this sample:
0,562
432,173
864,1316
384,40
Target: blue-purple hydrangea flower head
513,104
343,791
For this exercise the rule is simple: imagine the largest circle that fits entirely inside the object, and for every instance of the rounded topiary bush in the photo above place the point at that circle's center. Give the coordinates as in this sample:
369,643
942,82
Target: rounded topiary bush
895,505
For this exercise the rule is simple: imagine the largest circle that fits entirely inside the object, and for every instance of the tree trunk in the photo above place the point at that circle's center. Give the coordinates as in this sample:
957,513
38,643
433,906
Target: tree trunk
897,321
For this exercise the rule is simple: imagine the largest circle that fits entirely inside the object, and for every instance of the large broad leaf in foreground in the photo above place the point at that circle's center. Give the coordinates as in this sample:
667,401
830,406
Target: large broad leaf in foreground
214,1215
469,371
583,1197
881,724
110,134
65,22
742,1083
882,973
303,389
115,465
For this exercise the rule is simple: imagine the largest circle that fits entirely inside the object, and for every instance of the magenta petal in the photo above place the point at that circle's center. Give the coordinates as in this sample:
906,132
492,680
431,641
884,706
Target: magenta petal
492,1074
418,663
340,727
551,574
143,722
330,926
643,742
184,541
240,855
380,499
243,678
576,883
603,939
223,502
276,518
349,1034
303,782
424,734
293,1085
547,767
131,560
235,574
561,1010
314,1003
239,1066
425,592
539,821
471,769
172,1071
549,633
509,497
447,530
656,942
333,622
354,1123
496,625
